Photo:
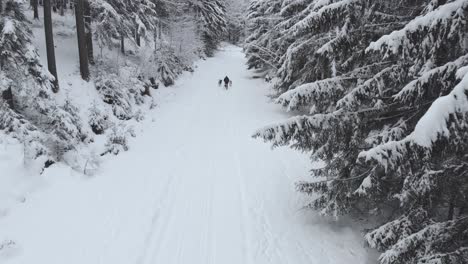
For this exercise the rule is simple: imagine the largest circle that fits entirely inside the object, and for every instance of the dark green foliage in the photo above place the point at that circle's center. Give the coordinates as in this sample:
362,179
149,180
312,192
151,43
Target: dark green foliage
382,92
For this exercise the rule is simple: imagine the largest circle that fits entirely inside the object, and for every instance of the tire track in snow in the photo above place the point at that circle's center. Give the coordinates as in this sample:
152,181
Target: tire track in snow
209,240
163,201
159,203
247,259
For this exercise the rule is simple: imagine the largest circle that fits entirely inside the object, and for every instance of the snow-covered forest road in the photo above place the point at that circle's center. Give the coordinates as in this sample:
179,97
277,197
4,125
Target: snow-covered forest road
194,188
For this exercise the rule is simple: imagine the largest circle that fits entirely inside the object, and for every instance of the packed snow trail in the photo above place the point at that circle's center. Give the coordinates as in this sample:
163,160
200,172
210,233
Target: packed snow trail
194,188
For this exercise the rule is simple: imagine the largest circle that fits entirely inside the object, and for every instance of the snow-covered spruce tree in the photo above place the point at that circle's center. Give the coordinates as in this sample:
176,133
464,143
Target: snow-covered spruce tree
330,39
430,167
386,108
326,61
168,65
235,13
262,20
98,119
115,19
175,46
255,29
183,34
113,91
211,19
117,140
136,20
107,22
161,65
429,164
27,108
146,16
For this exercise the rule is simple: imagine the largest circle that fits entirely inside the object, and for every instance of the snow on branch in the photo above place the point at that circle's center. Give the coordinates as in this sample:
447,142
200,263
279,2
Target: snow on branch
291,7
433,125
299,130
370,88
390,233
442,78
312,93
282,133
437,243
448,20
321,16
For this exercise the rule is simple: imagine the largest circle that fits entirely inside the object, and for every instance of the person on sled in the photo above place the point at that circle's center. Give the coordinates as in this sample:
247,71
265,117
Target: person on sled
226,82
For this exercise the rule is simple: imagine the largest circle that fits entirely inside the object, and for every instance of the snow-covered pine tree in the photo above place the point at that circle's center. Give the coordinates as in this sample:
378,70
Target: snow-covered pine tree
108,23
384,97
212,25
136,20
98,119
182,27
235,12
168,65
114,19
325,61
28,110
429,162
262,20
145,17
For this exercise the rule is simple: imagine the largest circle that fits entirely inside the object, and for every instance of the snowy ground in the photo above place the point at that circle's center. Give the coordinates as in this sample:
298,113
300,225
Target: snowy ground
194,188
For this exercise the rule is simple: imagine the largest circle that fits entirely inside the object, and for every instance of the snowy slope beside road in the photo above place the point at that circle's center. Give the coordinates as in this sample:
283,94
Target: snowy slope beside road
194,188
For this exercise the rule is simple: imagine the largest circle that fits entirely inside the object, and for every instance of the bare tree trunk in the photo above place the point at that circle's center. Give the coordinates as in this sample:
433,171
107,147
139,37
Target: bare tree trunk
451,208
137,37
35,9
122,44
62,7
1,10
49,35
7,96
157,33
155,39
80,29
160,31
89,32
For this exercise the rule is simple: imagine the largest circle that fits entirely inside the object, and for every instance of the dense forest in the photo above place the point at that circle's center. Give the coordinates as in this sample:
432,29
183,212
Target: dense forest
373,92
379,94
125,49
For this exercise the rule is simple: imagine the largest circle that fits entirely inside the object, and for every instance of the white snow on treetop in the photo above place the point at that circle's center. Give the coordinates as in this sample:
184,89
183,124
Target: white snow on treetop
315,15
309,92
8,27
434,122
398,38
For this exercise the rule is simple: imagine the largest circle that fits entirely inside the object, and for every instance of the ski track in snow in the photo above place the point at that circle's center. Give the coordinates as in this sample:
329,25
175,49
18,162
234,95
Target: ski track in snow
194,188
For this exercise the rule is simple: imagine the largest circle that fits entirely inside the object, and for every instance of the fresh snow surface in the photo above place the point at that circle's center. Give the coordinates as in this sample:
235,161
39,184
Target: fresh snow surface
194,188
